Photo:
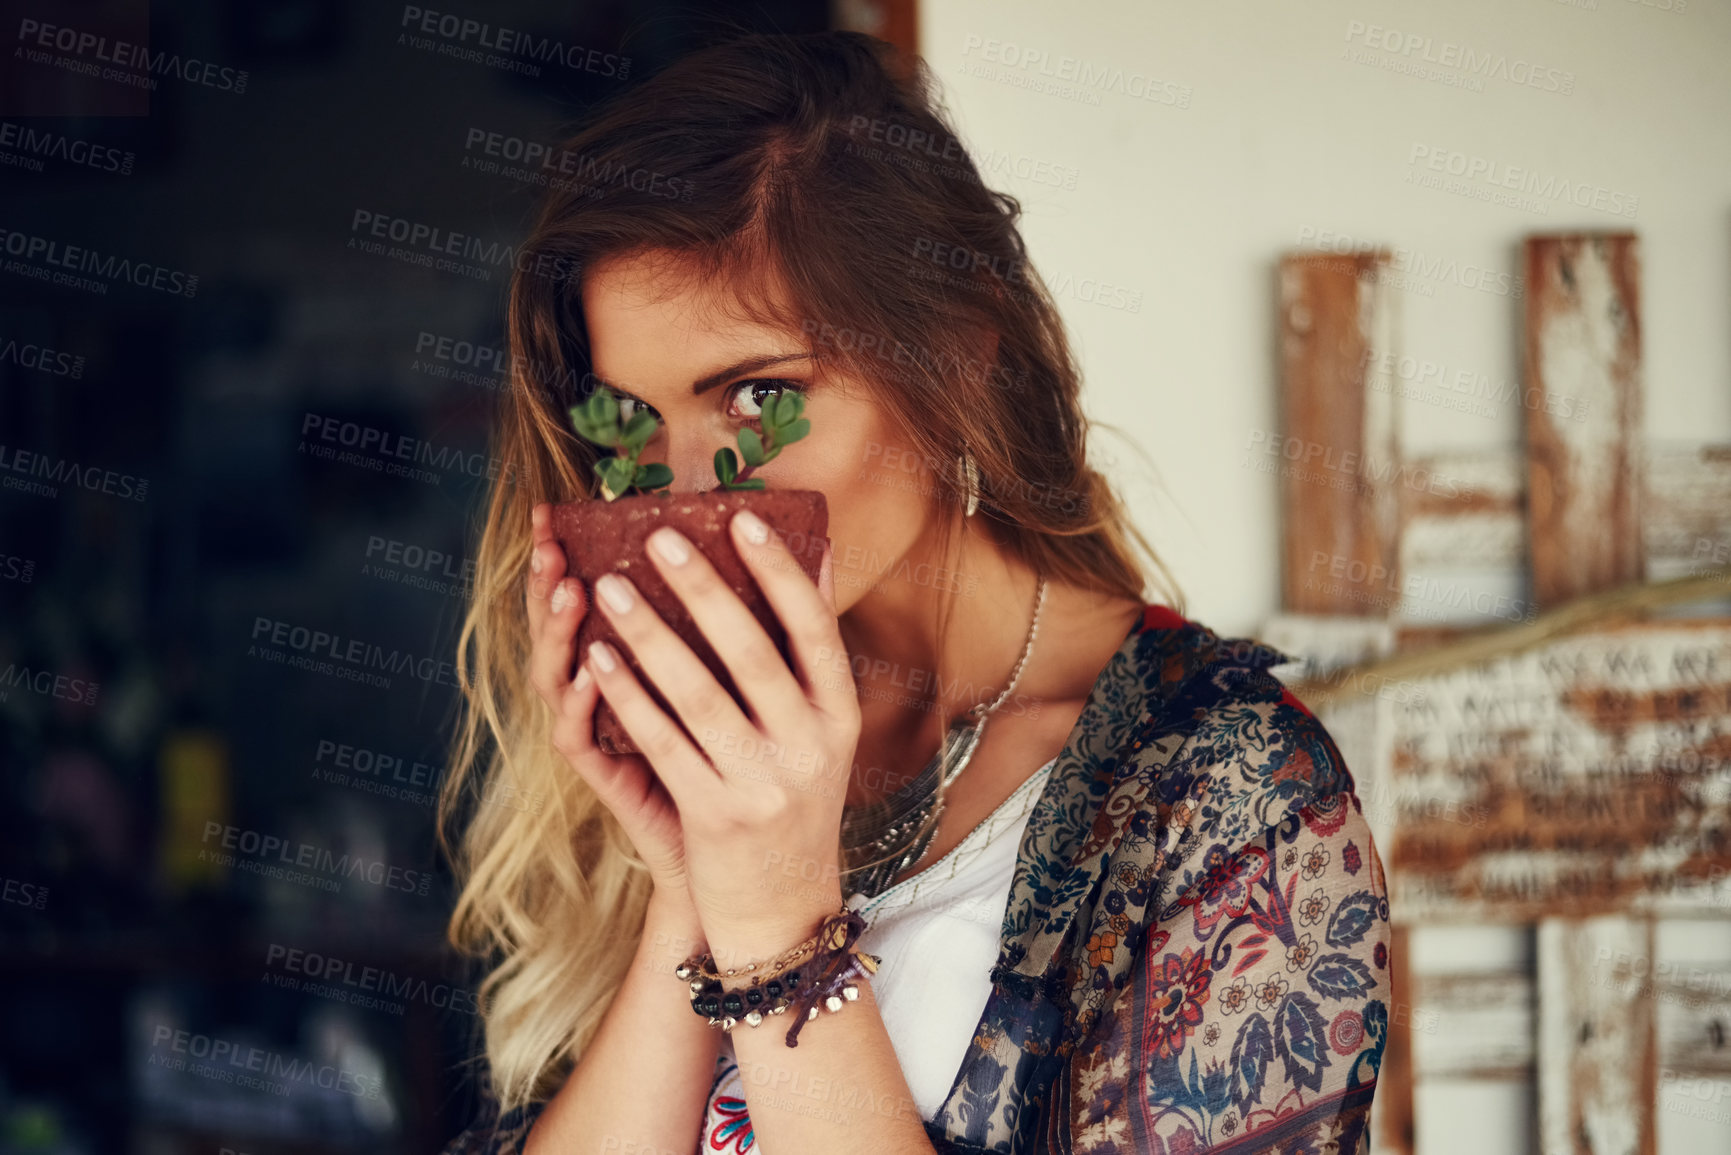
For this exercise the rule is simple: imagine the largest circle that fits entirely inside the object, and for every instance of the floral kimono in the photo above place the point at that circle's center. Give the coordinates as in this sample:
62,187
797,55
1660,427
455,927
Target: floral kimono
1194,956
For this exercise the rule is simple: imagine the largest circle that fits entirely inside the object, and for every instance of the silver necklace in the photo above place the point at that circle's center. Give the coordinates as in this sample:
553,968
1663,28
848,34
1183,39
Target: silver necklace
884,838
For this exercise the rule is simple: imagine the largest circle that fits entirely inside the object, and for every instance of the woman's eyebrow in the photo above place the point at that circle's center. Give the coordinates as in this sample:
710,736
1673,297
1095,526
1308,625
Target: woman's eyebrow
720,377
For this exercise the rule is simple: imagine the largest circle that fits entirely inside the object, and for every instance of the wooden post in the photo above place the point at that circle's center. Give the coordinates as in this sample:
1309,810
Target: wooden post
1583,359
1597,1058
1337,452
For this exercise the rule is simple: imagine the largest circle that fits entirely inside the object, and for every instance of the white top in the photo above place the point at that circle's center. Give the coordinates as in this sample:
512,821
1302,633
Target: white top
938,934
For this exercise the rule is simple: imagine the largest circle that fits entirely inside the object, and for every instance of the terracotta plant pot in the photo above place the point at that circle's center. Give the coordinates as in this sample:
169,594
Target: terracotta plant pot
606,536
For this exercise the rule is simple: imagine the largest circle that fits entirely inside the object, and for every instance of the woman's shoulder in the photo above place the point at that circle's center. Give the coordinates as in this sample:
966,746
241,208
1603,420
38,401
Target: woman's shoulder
1223,743
1188,712
1187,742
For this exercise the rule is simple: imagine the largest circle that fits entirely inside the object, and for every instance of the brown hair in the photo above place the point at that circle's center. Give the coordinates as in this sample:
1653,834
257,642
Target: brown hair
820,166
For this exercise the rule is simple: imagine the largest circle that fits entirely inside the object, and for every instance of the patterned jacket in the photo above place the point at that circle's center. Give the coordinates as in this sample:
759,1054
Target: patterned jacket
1194,956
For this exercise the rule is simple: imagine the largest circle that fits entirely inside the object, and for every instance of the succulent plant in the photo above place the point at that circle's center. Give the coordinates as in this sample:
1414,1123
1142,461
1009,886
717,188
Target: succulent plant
597,421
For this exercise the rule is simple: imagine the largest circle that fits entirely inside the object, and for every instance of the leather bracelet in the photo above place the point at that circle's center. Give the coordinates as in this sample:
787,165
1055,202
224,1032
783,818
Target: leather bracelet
789,982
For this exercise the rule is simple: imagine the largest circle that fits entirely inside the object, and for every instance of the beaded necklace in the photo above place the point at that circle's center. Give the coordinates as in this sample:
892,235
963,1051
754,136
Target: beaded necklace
884,838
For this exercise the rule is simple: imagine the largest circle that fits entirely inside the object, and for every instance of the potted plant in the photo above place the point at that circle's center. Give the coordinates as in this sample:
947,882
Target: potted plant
608,533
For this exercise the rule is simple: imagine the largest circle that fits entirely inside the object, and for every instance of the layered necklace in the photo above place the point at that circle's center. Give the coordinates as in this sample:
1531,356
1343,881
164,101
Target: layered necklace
884,838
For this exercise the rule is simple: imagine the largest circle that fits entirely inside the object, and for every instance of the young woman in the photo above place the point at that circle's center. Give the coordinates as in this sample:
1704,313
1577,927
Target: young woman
1128,901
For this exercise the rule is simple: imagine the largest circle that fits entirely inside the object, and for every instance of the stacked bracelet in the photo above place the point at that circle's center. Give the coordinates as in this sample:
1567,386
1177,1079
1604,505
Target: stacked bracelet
788,982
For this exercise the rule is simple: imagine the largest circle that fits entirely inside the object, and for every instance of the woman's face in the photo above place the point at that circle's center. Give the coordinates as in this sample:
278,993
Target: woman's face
665,340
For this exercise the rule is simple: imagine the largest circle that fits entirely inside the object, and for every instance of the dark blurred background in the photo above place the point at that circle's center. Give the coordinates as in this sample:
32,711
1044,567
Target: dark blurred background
225,717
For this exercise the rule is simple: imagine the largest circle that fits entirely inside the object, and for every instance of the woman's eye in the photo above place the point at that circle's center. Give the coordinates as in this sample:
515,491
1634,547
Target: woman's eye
629,407
755,393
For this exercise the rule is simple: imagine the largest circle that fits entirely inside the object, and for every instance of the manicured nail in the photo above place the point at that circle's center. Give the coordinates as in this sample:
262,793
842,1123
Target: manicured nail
616,592
755,531
535,561
602,655
670,544
583,677
564,596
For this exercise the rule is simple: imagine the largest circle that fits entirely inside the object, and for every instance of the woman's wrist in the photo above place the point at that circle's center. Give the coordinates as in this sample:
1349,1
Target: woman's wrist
672,932
773,931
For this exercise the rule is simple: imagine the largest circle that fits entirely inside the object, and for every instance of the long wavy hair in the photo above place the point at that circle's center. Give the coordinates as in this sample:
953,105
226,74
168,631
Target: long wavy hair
819,174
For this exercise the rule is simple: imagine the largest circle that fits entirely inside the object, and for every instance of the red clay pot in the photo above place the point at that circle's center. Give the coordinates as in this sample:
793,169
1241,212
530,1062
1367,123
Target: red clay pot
606,536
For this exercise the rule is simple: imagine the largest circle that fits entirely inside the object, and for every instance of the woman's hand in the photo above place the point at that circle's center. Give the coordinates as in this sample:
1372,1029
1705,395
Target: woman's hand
760,798
625,785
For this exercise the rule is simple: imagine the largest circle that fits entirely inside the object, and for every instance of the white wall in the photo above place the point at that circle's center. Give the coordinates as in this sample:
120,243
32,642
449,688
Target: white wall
1265,129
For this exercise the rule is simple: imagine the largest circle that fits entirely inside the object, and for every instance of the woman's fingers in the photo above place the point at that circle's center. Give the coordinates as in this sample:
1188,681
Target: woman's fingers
757,667
546,565
556,608
554,650
808,613
689,778
625,785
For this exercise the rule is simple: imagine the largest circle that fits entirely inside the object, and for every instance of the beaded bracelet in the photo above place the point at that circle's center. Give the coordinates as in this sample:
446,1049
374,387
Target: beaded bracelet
785,984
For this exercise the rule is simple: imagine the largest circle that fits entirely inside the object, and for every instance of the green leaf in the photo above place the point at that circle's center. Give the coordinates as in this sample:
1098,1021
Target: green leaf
615,474
793,431
639,430
597,419
654,476
748,483
789,406
751,447
770,413
726,466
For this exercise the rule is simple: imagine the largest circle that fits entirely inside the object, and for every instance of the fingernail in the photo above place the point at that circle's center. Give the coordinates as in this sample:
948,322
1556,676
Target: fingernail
670,544
755,531
535,561
602,655
583,677
564,596
616,592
